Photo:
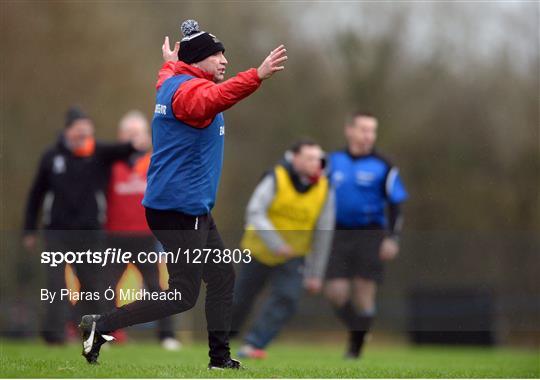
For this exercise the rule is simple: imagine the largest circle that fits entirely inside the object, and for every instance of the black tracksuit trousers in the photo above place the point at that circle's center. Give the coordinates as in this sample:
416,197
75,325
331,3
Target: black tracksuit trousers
176,231
149,271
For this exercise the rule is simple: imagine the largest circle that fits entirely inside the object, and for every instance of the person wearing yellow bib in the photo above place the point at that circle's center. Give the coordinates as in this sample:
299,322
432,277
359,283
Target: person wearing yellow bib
290,221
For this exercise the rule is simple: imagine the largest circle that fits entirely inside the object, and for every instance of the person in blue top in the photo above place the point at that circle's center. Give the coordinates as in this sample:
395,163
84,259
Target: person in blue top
368,193
188,132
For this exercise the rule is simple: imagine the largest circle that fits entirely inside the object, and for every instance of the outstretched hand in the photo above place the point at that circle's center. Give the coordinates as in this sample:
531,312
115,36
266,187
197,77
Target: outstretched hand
168,54
273,63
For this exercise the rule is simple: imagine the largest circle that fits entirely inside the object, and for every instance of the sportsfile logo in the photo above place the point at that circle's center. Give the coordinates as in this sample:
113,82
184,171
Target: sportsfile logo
161,109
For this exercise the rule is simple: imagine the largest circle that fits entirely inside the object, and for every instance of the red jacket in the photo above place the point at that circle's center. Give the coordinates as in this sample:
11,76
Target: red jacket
127,184
197,101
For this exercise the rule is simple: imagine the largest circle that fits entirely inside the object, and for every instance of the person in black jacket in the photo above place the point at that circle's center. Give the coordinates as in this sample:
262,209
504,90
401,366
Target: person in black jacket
69,187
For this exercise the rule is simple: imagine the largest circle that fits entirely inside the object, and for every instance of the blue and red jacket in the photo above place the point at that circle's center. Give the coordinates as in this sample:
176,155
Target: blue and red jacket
188,133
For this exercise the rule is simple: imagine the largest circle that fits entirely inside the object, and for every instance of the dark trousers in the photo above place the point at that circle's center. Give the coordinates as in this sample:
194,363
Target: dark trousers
180,231
285,282
135,243
90,277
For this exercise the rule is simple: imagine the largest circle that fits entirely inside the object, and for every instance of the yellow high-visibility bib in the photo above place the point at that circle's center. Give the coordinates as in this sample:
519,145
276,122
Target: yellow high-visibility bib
294,216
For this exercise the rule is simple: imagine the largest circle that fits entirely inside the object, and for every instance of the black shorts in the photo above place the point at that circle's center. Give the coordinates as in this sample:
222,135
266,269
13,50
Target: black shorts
355,253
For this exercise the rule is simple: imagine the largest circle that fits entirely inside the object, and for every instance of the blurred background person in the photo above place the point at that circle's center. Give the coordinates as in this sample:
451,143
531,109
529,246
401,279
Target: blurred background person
365,184
290,218
126,222
70,186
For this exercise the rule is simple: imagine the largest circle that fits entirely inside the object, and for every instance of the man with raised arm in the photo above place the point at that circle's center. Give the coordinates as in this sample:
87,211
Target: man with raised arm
188,133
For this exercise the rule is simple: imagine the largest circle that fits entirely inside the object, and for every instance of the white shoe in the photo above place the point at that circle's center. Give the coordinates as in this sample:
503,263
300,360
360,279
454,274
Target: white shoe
171,344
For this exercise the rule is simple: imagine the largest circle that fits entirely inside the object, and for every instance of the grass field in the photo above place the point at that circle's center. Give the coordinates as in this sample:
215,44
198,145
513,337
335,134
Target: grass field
32,359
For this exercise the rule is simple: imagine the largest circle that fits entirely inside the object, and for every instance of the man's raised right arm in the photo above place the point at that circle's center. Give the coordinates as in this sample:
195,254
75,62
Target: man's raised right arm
169,57
166,71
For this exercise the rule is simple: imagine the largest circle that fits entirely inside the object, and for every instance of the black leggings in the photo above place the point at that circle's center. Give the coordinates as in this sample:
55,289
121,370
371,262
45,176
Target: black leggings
133,242
176,231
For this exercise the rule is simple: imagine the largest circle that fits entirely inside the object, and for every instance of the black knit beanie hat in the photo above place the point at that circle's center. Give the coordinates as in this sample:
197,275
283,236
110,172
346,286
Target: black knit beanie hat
196,45
74,113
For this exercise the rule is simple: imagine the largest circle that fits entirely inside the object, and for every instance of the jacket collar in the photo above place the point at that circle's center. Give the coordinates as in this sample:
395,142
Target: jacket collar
85,151
183,68
300,184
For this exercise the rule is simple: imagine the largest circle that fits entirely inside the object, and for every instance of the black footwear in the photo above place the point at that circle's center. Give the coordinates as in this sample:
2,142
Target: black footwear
227,364
356,342
92,339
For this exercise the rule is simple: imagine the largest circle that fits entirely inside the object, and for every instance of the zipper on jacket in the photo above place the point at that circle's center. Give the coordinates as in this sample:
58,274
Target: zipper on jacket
196,222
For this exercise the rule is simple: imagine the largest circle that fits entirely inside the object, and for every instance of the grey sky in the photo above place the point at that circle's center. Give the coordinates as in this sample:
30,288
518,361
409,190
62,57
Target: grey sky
475,29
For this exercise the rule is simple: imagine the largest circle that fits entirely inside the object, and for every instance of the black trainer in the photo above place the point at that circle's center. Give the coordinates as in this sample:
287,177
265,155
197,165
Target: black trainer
227,364
356,341
92,339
